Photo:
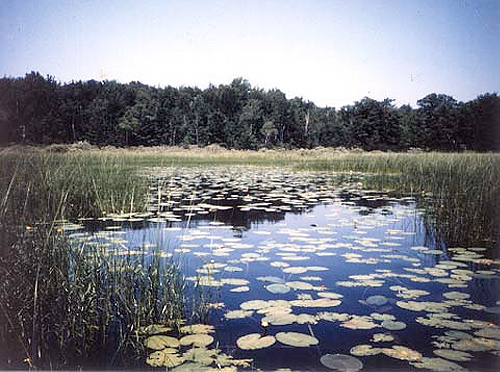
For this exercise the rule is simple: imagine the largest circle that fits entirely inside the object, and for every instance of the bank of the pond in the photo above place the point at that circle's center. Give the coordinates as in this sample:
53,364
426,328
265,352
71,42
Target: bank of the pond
40,183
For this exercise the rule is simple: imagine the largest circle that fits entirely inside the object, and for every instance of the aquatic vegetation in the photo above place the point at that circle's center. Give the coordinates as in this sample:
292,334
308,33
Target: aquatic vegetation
268,248
476,344
164,358
456,295
238,314
277,288
161,342
153,329
382,337
492,331
197,340
360,322
455,355
392,325
296,339
254,341
402,353
365,350
377,300
437,364
341,362
197,328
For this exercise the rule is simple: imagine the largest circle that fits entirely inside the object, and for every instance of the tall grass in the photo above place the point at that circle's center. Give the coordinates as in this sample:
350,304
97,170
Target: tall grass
459,191
64,305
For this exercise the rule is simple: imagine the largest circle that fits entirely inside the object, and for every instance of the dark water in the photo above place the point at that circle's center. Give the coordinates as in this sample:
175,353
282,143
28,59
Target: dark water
230,229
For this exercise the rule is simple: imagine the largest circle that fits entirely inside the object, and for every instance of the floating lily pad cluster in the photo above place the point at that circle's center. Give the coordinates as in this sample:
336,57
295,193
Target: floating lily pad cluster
189,351
361,251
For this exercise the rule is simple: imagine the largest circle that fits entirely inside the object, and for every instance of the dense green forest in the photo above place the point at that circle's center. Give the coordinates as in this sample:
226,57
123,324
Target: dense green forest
39,110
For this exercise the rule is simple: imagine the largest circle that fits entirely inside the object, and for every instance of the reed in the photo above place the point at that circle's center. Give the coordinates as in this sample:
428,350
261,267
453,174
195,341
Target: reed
458,191
70,305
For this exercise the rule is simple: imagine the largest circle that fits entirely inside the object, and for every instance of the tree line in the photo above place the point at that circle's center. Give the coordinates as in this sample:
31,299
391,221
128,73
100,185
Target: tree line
39,110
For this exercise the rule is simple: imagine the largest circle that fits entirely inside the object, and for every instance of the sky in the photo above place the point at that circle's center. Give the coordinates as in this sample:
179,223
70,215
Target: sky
330,52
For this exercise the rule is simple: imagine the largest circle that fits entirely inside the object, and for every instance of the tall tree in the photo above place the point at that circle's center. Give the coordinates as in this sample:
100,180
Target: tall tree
437,122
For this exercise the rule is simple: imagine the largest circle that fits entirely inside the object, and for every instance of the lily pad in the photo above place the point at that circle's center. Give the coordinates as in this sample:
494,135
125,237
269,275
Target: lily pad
377,300
271,279
227,360
238,314
458,335
437,364
382,337
160,342
456,295
476,344
201,355
359,322
433,307
296,339
319,302
197,328
402,353
392,325
197,340
341,362
254,305
254,341
297,285
154,329
333,317
295,270
277,288
382,317
234,281
489,332
365,350
331,295
455,355
280,319
164,358
241,289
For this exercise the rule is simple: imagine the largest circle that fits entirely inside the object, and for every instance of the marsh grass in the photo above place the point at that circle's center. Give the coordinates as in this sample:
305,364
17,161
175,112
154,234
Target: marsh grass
458,191
67,306
77,306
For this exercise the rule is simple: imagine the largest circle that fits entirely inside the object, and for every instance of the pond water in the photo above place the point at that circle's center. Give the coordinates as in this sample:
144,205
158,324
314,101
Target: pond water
315,264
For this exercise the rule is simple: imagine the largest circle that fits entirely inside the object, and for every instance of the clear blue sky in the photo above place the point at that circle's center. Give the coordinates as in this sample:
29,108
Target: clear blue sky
330,52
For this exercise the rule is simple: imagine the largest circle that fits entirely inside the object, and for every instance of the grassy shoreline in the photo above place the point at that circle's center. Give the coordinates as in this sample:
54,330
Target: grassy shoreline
41,185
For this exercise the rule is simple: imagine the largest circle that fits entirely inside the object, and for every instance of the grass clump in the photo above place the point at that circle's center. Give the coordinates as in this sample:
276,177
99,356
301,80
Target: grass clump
458,190
69,305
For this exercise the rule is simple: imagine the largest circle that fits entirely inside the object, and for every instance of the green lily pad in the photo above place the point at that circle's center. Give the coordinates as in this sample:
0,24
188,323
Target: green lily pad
277,288
392,325
164,358
296,339
197,340
341,362
437,364
377,300
402,353
255,341
365,350
197,328
455,355
238,314
159,342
